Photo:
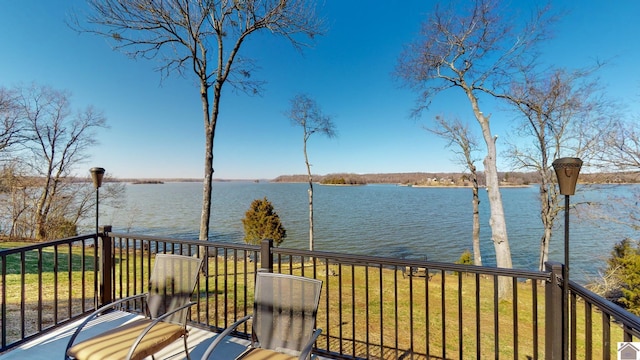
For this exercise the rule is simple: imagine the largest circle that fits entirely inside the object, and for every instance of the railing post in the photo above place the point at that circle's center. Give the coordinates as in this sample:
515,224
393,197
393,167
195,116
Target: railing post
554,348
106,266
266,256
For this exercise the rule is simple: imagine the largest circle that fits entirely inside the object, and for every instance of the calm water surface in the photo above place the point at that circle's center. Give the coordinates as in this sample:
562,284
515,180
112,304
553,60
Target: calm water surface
381,220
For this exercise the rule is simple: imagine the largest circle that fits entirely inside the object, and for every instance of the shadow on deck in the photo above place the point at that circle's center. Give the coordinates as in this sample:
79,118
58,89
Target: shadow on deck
53,344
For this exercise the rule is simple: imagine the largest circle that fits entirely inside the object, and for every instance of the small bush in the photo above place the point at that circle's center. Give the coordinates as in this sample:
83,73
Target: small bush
262,222
466,258
60,228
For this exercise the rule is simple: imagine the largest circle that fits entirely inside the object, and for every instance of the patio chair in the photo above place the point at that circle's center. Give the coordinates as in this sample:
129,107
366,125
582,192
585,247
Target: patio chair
283,319
166,306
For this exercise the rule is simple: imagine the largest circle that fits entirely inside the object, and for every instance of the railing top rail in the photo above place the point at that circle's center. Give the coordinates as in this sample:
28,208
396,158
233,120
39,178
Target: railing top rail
351,258
346,258
629,320
365,259
44,244
185,241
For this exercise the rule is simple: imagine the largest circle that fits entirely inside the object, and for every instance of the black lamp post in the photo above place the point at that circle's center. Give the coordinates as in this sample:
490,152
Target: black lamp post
567,171
97,173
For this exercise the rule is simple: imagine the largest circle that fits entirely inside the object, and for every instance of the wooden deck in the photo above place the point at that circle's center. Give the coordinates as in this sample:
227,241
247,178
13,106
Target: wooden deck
52,345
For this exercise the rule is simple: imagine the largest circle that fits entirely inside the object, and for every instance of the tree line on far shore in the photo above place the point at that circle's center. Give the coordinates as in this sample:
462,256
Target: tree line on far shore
458,178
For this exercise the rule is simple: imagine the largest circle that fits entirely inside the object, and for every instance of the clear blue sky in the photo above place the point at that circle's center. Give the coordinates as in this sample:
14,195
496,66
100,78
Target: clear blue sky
156,127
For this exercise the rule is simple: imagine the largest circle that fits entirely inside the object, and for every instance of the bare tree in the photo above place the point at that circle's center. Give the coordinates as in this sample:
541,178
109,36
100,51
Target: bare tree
11,129
21,190
306,113
621,146
478,51
58,140
12,132
554,108
203,36
459,134
14,202
620,158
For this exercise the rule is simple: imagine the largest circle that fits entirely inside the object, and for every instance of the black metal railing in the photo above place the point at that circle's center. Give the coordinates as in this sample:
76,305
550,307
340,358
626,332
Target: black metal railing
598,324
371,307
376,307
45,285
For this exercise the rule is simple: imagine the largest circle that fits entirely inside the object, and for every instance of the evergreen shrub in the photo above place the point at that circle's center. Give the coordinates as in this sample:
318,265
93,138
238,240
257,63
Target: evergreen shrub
262,222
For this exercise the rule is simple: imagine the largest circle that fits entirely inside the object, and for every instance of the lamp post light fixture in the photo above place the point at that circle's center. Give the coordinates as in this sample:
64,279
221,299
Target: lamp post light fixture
567,171
97,173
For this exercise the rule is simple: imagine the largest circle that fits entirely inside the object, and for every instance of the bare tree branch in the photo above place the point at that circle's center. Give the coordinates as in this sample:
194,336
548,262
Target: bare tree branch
11,128
563,114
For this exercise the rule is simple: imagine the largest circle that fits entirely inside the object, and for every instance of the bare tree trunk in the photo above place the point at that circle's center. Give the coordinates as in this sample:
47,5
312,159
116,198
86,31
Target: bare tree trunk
206,189
497,222
496,219
41,232
544,214
544,247
41,215
548,213
209,130
311,242
477,256
459,134
306,161
17,209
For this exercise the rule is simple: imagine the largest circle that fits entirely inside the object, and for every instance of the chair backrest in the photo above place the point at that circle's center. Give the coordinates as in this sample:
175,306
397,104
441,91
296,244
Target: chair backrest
285,308
171,285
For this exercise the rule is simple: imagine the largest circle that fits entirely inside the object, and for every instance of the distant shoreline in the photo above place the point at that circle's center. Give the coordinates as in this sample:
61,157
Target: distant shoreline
469,186
336,184
418,179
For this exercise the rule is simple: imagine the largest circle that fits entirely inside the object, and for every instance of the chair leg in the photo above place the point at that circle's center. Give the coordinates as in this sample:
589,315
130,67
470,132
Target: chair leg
186,349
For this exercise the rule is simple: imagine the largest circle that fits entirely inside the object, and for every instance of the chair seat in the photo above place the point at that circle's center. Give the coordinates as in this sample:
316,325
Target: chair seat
116,343
265,354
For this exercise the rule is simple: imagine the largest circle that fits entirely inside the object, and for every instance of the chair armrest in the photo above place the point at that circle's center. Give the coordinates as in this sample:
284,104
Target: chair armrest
223,334
154,323
97,313
306,350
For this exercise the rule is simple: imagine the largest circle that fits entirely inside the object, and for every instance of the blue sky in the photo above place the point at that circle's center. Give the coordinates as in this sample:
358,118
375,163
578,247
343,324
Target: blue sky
156,127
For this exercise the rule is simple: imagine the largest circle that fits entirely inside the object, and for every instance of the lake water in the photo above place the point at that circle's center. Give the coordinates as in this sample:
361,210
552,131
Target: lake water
381,220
